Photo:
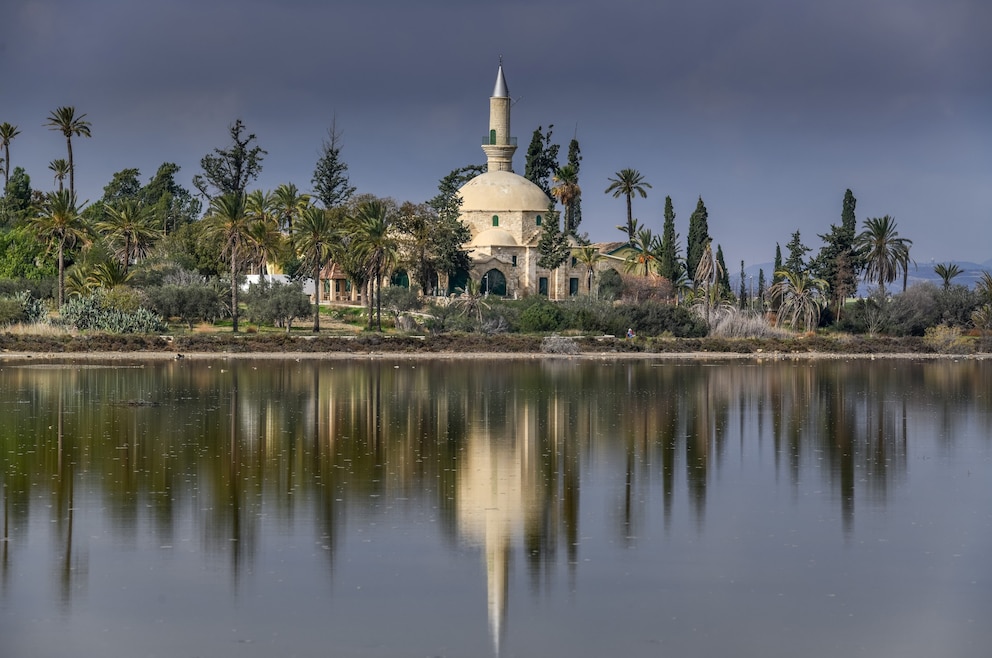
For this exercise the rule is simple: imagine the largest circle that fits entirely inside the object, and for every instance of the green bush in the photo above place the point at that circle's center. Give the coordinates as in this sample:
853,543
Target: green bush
541,317
654,318
609,285
95,312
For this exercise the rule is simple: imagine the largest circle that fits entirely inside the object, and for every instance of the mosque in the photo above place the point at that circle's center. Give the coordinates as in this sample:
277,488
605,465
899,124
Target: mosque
504,213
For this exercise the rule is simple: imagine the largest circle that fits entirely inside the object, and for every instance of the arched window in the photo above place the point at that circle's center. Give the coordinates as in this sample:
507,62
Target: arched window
492,136
494,283
538,220
495,220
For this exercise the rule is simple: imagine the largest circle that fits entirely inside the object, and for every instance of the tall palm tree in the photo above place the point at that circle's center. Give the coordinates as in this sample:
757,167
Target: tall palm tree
64,120
227,219
947,272
289,204
628,182
374,243
314,238
567,191
60,168
802,297
883,251
7,133
61,226
129,227
589,256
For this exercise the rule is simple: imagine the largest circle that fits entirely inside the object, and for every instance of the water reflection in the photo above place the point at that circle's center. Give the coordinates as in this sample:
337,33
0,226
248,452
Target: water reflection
223,450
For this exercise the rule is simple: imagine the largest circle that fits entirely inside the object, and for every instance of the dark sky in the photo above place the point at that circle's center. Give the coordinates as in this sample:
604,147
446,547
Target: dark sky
767,109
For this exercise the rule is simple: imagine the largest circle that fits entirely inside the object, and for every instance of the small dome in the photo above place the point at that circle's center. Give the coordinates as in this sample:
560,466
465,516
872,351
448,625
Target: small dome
502,191
493,237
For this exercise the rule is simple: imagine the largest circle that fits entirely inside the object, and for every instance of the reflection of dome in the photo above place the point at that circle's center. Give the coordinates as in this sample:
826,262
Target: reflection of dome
500,191
493,237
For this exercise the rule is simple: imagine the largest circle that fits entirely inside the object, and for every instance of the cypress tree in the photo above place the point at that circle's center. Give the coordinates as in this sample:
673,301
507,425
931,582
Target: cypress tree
699,235
669,266
742,298
575,210
723,278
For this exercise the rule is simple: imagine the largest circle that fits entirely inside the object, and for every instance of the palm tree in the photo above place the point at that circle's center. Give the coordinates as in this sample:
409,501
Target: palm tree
371,228
289,204
628,182
643,259
567,191
883,251
947,272
64,120
60,168
589,256
7,133
227,219
313,238
708,273
61,226
130,230
802,297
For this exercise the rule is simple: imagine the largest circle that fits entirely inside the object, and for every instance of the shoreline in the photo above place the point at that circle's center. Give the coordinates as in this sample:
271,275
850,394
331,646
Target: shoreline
69,357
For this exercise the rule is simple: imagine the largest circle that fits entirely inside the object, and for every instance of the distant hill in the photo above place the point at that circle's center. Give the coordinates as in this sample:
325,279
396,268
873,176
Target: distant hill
917,274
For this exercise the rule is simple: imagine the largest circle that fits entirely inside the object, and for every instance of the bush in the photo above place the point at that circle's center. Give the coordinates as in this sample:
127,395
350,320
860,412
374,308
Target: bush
96,312
197,302
946,340
609,285
558,345
21,308
399,299
277,303
541,317
656,319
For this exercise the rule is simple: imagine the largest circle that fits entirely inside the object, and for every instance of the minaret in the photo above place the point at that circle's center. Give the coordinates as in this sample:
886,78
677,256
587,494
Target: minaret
499,146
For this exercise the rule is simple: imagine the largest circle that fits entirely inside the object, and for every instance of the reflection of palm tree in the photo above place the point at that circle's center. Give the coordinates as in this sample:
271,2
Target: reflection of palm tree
64,120
627,183
884,252
61,226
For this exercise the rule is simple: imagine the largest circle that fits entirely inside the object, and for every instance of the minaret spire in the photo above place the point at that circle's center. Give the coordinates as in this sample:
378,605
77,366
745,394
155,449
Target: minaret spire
499,145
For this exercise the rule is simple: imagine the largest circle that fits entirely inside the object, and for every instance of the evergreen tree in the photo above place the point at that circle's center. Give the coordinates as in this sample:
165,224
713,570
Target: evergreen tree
668,257
575,207
776,277
838,262
699,235
761,287
450,233
542,160
796,262
742,297
553,245
330,176
724,277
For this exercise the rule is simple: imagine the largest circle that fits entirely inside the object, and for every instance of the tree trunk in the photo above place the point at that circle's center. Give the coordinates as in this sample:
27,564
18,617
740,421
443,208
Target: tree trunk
316,298
234,290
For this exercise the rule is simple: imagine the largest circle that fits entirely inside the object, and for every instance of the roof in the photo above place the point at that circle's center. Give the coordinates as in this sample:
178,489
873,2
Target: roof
493,237
501,90
502,191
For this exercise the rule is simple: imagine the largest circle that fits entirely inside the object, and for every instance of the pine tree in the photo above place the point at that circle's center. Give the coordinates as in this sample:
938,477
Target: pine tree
669,266
542,160
796,262
761,287
330,175
553,245
575,210
838,262
776,277
699,235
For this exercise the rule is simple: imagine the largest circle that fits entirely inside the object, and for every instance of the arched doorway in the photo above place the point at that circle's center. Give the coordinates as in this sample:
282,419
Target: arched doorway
458,282
494,283
400,278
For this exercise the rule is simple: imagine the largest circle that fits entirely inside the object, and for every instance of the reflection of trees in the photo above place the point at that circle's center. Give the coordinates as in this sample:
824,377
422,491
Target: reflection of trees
239,445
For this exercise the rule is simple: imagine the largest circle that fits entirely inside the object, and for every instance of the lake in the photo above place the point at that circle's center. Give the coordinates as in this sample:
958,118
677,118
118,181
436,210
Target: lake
546,507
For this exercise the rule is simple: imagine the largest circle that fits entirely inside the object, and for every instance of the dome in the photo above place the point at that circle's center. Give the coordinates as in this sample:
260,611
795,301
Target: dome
502,191
493,237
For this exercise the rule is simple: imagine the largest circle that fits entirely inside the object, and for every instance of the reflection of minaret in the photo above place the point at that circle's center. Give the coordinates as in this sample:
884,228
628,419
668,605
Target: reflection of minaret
499,146
496,497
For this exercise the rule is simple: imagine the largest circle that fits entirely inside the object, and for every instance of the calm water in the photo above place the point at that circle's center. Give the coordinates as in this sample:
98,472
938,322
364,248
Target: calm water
538,508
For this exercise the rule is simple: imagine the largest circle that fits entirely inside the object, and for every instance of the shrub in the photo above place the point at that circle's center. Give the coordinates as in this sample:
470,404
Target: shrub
946,340
197,302
730,322
399,299
277,303
95,312
541,317
609,284
655,319
556,344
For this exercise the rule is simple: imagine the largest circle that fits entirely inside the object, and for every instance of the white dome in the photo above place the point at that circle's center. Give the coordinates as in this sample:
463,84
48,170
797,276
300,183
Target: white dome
502,191
493,237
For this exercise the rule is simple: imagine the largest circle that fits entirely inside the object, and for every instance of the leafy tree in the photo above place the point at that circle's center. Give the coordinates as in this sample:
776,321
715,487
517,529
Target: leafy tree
189,302
18,200
610,285
668,253
123,186
22,256
575,209
173,205
542,159
801,298
64,120
314,238
796,262
837,263
61,227
883,251
330,176
228,220
947,272
628,183
277,303
59,167
568,192
230,170
7,133
699,237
